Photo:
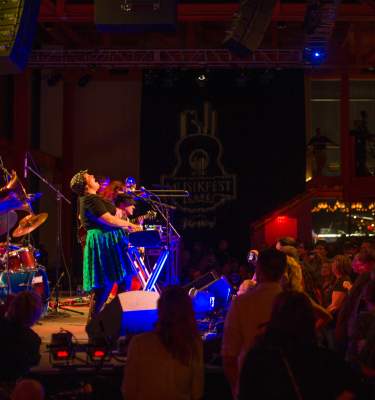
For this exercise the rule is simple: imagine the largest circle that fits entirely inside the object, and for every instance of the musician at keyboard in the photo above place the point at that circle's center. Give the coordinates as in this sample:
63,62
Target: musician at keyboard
105,259
125,205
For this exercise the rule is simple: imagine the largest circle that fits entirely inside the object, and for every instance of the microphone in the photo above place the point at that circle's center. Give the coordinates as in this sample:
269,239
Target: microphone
25,167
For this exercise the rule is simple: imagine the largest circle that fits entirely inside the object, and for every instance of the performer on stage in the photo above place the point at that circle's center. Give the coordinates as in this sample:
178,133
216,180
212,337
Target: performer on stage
105,260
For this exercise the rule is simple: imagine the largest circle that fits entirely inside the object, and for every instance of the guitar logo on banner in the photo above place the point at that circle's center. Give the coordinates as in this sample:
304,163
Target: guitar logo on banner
199,170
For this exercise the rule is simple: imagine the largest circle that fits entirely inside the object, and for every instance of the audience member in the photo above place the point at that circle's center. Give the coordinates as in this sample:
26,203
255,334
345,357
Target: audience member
354,303
341,284
326,281
28,389
364,261
286,362
20,344
363,343
249,312
167,364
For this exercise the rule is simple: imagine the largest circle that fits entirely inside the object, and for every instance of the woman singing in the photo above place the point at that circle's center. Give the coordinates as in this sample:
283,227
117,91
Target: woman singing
105,260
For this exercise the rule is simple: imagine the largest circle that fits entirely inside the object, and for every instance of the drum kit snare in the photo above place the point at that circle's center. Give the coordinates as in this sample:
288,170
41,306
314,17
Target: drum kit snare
19,267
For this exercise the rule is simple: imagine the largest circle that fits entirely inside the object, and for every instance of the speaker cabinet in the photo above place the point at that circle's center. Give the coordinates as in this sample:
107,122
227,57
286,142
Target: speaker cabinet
128,313
18,19
210,291
249,25
135,15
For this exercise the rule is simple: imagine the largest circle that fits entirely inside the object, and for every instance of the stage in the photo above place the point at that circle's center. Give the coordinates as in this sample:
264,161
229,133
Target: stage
55,322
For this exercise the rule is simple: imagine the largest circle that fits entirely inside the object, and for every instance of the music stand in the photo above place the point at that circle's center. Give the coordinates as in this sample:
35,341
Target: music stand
59,252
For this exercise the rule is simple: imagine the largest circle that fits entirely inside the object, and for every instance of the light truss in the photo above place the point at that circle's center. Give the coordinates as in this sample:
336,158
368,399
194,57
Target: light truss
163,58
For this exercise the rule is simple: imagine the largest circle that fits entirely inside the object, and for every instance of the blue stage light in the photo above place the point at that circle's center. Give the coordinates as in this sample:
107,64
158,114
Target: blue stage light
314,55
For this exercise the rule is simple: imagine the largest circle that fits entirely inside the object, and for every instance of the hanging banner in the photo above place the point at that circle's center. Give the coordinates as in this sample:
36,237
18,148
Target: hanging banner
199,169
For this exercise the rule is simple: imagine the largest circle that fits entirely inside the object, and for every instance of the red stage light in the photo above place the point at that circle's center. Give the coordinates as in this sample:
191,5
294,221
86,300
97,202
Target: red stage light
62,354
99,354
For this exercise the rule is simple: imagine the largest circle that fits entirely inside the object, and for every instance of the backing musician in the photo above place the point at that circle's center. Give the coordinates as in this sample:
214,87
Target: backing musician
105,260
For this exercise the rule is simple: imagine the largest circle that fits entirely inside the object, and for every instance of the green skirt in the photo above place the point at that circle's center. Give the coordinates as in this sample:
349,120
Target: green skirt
105,259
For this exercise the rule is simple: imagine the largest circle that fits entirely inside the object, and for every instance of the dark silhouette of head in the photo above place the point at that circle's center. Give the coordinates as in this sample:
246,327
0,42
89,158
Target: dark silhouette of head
271,265
25,309
292,322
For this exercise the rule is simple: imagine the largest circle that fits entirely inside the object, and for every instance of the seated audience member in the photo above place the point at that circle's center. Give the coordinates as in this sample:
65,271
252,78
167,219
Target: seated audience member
286,362
20,344
167,364
341,283
249,312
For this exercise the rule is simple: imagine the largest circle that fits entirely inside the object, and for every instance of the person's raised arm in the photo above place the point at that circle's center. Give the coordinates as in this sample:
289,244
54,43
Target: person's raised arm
112,220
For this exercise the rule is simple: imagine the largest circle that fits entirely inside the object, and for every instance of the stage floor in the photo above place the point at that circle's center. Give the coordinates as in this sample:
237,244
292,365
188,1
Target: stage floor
54,323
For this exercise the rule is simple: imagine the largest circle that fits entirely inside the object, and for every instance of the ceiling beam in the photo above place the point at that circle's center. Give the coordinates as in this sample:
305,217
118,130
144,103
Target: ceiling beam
178,58
84,13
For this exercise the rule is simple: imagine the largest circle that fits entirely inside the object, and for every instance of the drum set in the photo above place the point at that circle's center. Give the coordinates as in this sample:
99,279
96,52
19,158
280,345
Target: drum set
19,266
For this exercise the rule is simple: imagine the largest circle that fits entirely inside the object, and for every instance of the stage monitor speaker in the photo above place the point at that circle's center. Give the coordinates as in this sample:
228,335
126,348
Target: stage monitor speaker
135,15
210,291
249,26
18,20
128,313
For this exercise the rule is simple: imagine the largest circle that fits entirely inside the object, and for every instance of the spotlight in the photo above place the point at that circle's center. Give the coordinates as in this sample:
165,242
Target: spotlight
314,55
98,350
202,79
61,348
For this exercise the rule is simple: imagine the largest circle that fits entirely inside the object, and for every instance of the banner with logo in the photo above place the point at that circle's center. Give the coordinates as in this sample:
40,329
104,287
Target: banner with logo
238,149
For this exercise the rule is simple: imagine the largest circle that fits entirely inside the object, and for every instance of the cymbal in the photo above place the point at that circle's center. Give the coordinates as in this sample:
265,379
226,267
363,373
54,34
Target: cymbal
7,222
29,223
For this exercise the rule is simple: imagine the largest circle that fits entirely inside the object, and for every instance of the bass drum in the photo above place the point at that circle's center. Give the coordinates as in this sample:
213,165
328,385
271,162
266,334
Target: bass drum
36,280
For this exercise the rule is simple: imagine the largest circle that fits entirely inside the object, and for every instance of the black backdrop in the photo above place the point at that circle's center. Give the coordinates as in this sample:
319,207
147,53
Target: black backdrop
261,125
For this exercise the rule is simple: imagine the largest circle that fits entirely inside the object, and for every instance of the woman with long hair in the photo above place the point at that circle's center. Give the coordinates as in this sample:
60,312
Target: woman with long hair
341,267
286,362
167,363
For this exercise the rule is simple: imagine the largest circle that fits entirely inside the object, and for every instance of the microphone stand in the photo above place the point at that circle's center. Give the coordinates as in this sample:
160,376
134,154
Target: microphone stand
7,178
59,251
163,210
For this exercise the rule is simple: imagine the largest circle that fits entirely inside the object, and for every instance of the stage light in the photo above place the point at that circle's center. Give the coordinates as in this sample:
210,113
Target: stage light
61,348
98,350
314,55
201,78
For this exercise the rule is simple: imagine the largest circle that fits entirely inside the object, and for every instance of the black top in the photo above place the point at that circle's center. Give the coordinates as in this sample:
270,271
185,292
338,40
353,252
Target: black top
91,207
19,350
